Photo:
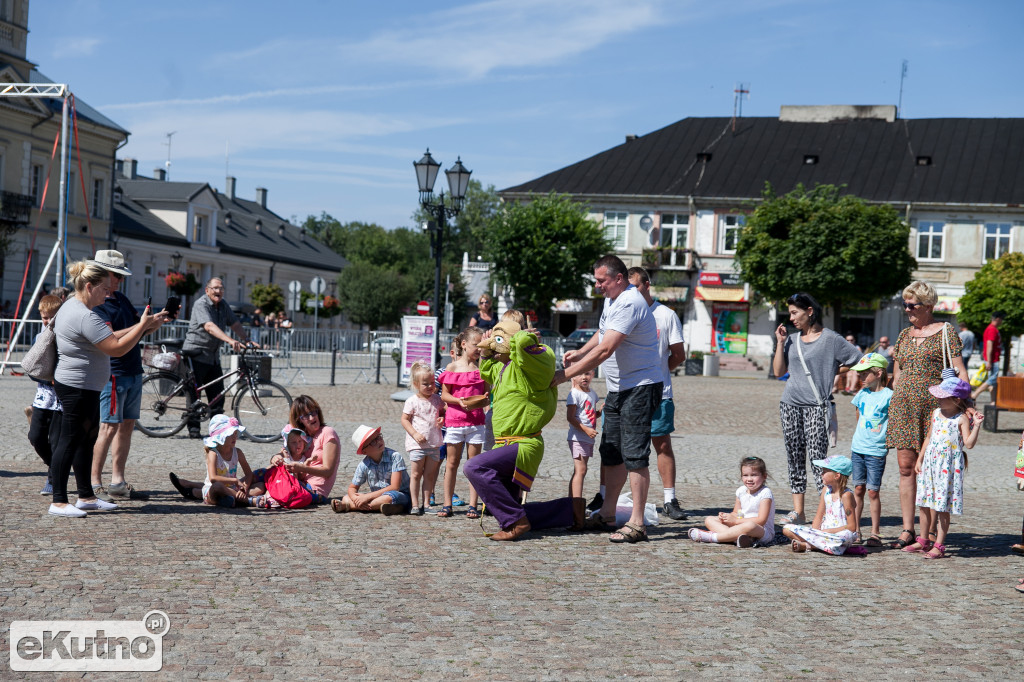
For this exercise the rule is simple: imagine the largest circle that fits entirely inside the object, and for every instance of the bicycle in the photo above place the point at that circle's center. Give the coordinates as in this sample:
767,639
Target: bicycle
170,400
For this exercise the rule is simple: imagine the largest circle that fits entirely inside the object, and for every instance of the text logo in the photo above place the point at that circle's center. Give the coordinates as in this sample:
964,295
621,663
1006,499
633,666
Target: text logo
89,645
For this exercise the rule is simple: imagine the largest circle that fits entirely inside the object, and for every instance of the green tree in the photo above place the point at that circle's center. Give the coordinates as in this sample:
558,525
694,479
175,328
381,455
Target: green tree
374,295
468,233
997,287
544,249
835,247
267,297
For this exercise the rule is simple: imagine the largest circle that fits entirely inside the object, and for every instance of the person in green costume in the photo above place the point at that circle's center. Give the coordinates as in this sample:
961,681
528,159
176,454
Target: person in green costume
519,369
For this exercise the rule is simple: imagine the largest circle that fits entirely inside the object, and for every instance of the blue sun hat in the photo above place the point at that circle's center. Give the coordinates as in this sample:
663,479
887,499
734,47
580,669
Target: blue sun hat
289,430
221,426
953,387
841,464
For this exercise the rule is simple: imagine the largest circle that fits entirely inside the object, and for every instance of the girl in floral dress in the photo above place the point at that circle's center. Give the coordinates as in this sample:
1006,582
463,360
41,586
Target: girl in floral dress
834,526
940,466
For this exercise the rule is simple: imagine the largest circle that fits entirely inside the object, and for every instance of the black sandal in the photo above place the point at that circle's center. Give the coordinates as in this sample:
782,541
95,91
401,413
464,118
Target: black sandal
185,492
900,543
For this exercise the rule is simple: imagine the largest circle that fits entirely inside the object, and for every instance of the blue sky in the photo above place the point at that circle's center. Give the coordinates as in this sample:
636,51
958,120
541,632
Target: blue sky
327,104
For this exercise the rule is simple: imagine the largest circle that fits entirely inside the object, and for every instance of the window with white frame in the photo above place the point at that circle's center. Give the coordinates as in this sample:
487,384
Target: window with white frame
198,228
97,198
37,182
729,232
615,223
997,239
675,230
929,239
147,280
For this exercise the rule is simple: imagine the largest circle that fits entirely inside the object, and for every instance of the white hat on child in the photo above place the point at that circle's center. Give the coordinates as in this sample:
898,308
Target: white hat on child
221,426
363,435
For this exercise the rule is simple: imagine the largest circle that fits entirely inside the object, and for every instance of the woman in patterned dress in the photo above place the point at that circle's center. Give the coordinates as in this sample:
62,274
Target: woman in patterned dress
918,354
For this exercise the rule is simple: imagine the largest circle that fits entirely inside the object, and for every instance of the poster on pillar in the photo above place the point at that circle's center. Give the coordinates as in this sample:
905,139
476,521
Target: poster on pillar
729,325
419,338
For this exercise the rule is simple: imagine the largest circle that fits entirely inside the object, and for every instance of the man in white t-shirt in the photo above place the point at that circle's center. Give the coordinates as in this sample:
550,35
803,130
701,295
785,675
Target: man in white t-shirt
670,348
626,347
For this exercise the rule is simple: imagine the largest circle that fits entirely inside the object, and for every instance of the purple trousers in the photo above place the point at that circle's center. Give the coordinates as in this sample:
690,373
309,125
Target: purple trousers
491,475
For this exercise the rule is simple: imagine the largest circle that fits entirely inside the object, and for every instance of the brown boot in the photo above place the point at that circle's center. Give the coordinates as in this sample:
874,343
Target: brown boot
514,532
579,514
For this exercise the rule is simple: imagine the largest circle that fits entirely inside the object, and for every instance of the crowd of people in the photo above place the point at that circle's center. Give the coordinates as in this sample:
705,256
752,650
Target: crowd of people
497,393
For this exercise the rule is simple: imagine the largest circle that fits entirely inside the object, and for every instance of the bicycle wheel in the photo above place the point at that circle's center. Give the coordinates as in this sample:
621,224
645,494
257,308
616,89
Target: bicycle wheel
164,405
264,414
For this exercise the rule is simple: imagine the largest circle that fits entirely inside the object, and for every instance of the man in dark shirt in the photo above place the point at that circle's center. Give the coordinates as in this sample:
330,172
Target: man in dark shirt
122,396
210,314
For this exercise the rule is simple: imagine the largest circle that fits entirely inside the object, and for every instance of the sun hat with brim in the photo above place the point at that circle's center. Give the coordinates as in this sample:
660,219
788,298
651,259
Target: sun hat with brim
871,360
363,435
953,387
112,261
841,464
288,430
221,426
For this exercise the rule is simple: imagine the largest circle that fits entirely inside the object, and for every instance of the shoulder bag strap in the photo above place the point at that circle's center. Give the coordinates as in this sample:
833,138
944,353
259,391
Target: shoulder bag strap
800,351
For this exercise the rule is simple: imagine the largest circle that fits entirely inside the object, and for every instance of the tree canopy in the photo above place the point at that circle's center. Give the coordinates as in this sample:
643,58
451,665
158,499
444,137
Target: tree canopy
544,249
835,247
269,298
374,295
997,287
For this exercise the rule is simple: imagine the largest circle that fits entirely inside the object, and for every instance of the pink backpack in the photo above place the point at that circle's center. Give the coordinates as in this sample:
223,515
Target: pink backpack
285,488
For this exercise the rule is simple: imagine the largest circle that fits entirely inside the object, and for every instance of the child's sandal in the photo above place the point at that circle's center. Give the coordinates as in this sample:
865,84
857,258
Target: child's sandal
798,547
941,549
446,511
471,512
920,545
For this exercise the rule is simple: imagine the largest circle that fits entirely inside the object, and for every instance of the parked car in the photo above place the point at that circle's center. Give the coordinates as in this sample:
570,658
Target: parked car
577,339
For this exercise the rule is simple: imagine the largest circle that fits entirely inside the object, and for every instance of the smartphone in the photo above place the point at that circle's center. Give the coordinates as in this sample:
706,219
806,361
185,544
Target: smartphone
173,304
149,303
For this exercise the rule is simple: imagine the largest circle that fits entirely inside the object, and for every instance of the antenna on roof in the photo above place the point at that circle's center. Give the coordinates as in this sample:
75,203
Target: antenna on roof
168,143
903,77
737,102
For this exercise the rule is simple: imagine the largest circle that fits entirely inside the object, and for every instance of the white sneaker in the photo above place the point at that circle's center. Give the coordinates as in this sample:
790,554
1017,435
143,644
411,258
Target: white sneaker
67,510
96,504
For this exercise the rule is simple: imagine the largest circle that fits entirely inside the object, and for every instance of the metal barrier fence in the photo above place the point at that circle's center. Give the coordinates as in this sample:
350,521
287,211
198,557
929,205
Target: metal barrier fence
324,356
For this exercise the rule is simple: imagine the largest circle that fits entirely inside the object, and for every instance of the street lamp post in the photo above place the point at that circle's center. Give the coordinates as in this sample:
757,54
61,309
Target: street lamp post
439,209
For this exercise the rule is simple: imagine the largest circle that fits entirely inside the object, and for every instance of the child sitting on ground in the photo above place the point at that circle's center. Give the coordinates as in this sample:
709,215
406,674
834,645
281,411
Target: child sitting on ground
833,529
222,486
383,470
752,518
581,412
294,451
422,419
46,416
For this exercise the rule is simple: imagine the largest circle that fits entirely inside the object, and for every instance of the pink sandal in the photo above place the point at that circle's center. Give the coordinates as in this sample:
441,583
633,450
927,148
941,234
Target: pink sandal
922,545
941,549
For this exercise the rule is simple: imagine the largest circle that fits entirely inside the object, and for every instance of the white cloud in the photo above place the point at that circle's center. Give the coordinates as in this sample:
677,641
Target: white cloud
75,47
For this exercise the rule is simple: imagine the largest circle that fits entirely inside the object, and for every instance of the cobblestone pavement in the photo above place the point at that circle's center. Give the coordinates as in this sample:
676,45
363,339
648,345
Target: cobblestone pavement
312,594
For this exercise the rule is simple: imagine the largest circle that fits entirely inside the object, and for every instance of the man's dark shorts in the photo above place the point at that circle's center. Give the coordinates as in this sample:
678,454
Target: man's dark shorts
626,437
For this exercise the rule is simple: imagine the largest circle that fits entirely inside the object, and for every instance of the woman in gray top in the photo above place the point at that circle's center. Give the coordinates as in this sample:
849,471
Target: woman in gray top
84,346
806,400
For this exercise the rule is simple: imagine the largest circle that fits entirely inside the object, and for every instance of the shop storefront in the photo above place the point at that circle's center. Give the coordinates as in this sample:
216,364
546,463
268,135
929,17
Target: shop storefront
725,300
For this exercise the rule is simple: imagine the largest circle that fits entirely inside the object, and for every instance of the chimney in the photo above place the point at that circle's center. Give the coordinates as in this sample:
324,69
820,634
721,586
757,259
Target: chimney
261,196
130,169
229,187
160,174
630,138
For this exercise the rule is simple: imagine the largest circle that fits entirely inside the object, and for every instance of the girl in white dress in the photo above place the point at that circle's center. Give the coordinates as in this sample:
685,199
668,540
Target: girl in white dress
941,464
752,518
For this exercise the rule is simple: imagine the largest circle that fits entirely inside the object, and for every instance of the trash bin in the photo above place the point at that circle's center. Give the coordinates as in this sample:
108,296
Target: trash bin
711,365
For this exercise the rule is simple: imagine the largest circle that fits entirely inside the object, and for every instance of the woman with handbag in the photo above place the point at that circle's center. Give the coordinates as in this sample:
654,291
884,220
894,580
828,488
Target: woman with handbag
806,409
925,352
85,344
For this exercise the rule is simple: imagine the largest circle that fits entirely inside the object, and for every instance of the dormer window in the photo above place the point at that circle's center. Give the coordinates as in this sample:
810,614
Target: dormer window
198,229
810,159
924,161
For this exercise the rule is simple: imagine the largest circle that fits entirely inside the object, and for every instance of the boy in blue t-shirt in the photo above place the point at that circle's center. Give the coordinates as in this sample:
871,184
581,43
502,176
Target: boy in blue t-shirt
868,446
385,473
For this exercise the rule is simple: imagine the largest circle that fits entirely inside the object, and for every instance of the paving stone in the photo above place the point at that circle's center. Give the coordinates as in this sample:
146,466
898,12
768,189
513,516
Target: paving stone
303,595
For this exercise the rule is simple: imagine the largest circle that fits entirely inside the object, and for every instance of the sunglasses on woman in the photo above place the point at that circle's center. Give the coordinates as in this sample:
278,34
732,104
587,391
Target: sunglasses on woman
911,306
